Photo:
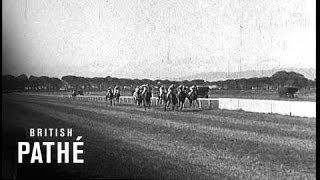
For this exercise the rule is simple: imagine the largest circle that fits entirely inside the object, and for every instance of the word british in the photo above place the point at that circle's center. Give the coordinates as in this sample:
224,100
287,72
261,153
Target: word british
50,132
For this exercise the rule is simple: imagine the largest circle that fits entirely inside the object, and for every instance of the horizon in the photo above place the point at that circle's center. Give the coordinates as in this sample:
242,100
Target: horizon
155,40
177,79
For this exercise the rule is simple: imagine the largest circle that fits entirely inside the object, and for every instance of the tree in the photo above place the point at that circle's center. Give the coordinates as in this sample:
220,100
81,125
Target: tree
283,78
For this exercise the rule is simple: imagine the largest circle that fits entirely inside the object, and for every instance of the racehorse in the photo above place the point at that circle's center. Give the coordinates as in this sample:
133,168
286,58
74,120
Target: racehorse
117,95
137,96
109,96
146,97
182,95
171,98
162,95
74,94
192,97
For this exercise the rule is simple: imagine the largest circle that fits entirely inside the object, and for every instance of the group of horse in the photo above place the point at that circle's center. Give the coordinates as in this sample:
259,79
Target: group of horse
172,96
113,95
167,96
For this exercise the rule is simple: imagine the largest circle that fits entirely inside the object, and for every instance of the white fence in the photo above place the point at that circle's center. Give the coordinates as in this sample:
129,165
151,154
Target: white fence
293,108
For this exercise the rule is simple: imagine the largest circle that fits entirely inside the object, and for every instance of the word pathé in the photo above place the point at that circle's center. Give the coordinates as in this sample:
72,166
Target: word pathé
38,150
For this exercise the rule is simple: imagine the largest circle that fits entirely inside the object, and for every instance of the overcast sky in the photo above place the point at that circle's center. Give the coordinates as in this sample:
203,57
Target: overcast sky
156,38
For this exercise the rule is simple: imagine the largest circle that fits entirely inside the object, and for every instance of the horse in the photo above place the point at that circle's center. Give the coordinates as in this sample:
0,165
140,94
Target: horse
137,97
74,94
146,97
117,96
109,96
162,95
182,95
171,98
193,96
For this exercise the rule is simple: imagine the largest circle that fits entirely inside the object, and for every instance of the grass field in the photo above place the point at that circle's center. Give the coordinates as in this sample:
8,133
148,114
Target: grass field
125,141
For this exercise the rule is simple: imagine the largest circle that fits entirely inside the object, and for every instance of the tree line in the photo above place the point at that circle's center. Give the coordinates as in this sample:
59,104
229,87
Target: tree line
67,83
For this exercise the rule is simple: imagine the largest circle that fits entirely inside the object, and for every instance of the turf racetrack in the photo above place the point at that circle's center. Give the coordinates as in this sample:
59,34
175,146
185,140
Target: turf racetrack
126,141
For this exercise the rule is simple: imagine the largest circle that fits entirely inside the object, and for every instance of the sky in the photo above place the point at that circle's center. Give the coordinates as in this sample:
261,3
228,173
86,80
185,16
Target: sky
156,39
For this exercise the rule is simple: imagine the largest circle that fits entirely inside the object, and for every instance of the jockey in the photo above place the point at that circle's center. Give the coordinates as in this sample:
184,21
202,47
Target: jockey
109,89
109,93
136,89
144,88
170,89
161,89
116,89
192,88
185,88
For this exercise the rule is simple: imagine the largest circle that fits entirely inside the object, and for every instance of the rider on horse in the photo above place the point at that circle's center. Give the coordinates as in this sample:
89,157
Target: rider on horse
137,96
109,95
146,95
193,95
182,94
74,94
116,93
171,97
162,94
116,89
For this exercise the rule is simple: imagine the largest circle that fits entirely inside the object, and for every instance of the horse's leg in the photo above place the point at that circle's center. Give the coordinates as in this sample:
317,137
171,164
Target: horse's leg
144,104
166,103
